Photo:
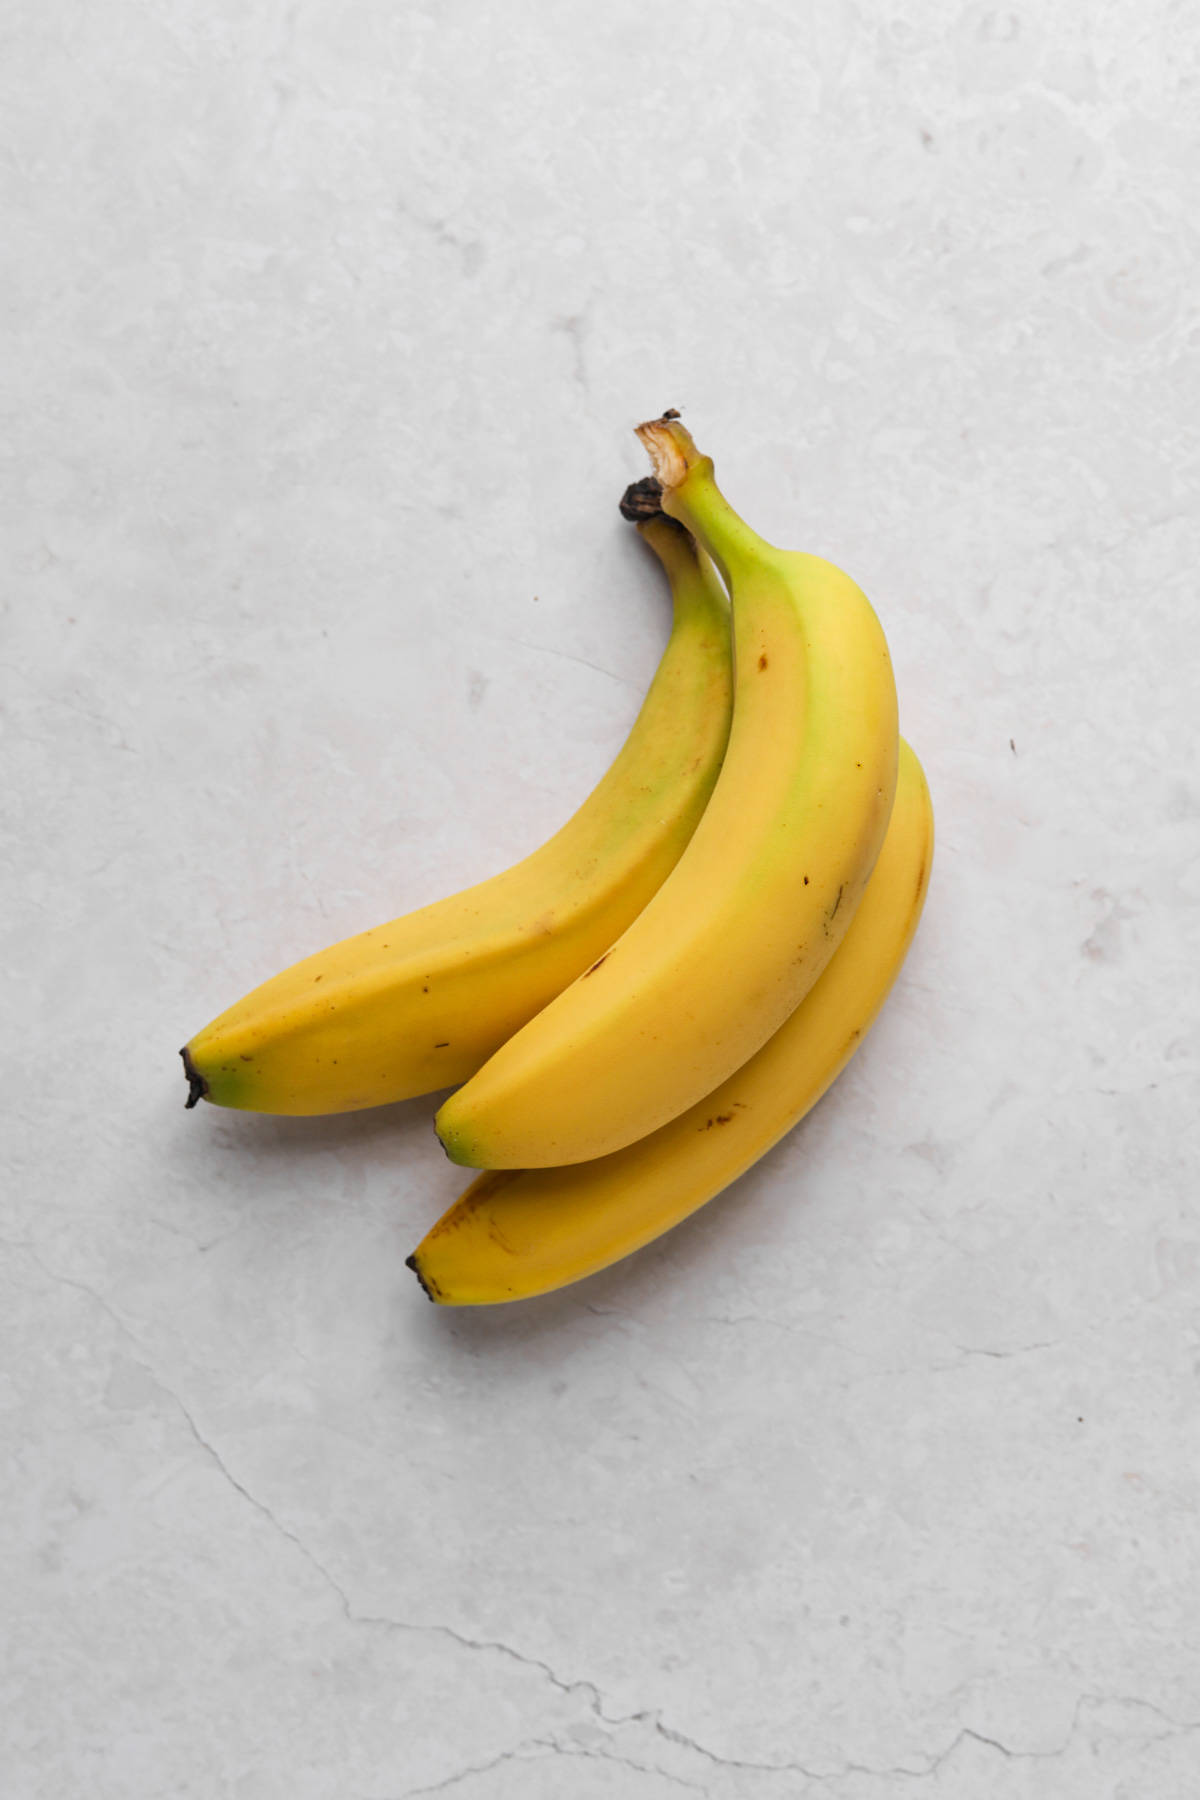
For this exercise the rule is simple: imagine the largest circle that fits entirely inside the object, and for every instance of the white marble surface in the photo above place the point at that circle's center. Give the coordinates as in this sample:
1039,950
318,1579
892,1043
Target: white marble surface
324,332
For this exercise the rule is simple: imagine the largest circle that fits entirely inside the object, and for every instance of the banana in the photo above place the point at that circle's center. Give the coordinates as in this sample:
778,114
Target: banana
420,1003
515,1233
759,901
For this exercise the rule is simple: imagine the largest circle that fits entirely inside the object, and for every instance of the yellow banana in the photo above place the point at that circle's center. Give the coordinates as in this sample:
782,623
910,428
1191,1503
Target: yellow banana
420,1003
515,1233
761,898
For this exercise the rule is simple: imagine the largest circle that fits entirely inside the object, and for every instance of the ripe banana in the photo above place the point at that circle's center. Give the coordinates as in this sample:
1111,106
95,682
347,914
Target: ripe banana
759,901
420,1003
515,1233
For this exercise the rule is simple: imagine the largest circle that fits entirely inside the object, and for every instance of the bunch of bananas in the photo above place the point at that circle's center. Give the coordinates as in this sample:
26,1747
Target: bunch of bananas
637,1012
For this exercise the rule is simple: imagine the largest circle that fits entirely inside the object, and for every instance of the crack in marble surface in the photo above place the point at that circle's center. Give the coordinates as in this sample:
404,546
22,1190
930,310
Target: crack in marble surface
31,1250
627,1762
377,1621
827,1780
587,1691
571,657
460,1775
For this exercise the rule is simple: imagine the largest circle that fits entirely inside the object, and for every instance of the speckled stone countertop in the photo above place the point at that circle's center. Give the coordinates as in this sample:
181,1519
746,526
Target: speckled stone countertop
324,333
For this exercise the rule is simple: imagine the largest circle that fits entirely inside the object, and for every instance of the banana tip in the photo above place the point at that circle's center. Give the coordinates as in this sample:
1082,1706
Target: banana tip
451,1140
410,1262
197,1086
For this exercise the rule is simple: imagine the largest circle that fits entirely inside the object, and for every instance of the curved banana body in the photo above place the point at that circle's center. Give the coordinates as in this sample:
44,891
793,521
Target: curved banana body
515,1233
420,1003
760,900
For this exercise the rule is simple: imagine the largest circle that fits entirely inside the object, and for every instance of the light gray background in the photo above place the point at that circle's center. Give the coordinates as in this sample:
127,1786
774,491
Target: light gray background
325,329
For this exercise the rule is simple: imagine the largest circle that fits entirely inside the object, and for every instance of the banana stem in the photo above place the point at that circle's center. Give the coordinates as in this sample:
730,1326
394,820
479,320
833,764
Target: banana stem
691,495
699,504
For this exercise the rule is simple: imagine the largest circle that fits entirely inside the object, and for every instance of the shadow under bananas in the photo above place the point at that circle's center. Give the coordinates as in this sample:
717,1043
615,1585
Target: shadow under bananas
259,1163
266,1159
687,1263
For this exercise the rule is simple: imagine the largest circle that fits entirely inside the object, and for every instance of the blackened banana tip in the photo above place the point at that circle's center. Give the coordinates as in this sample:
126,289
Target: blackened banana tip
197,1086
410,1262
